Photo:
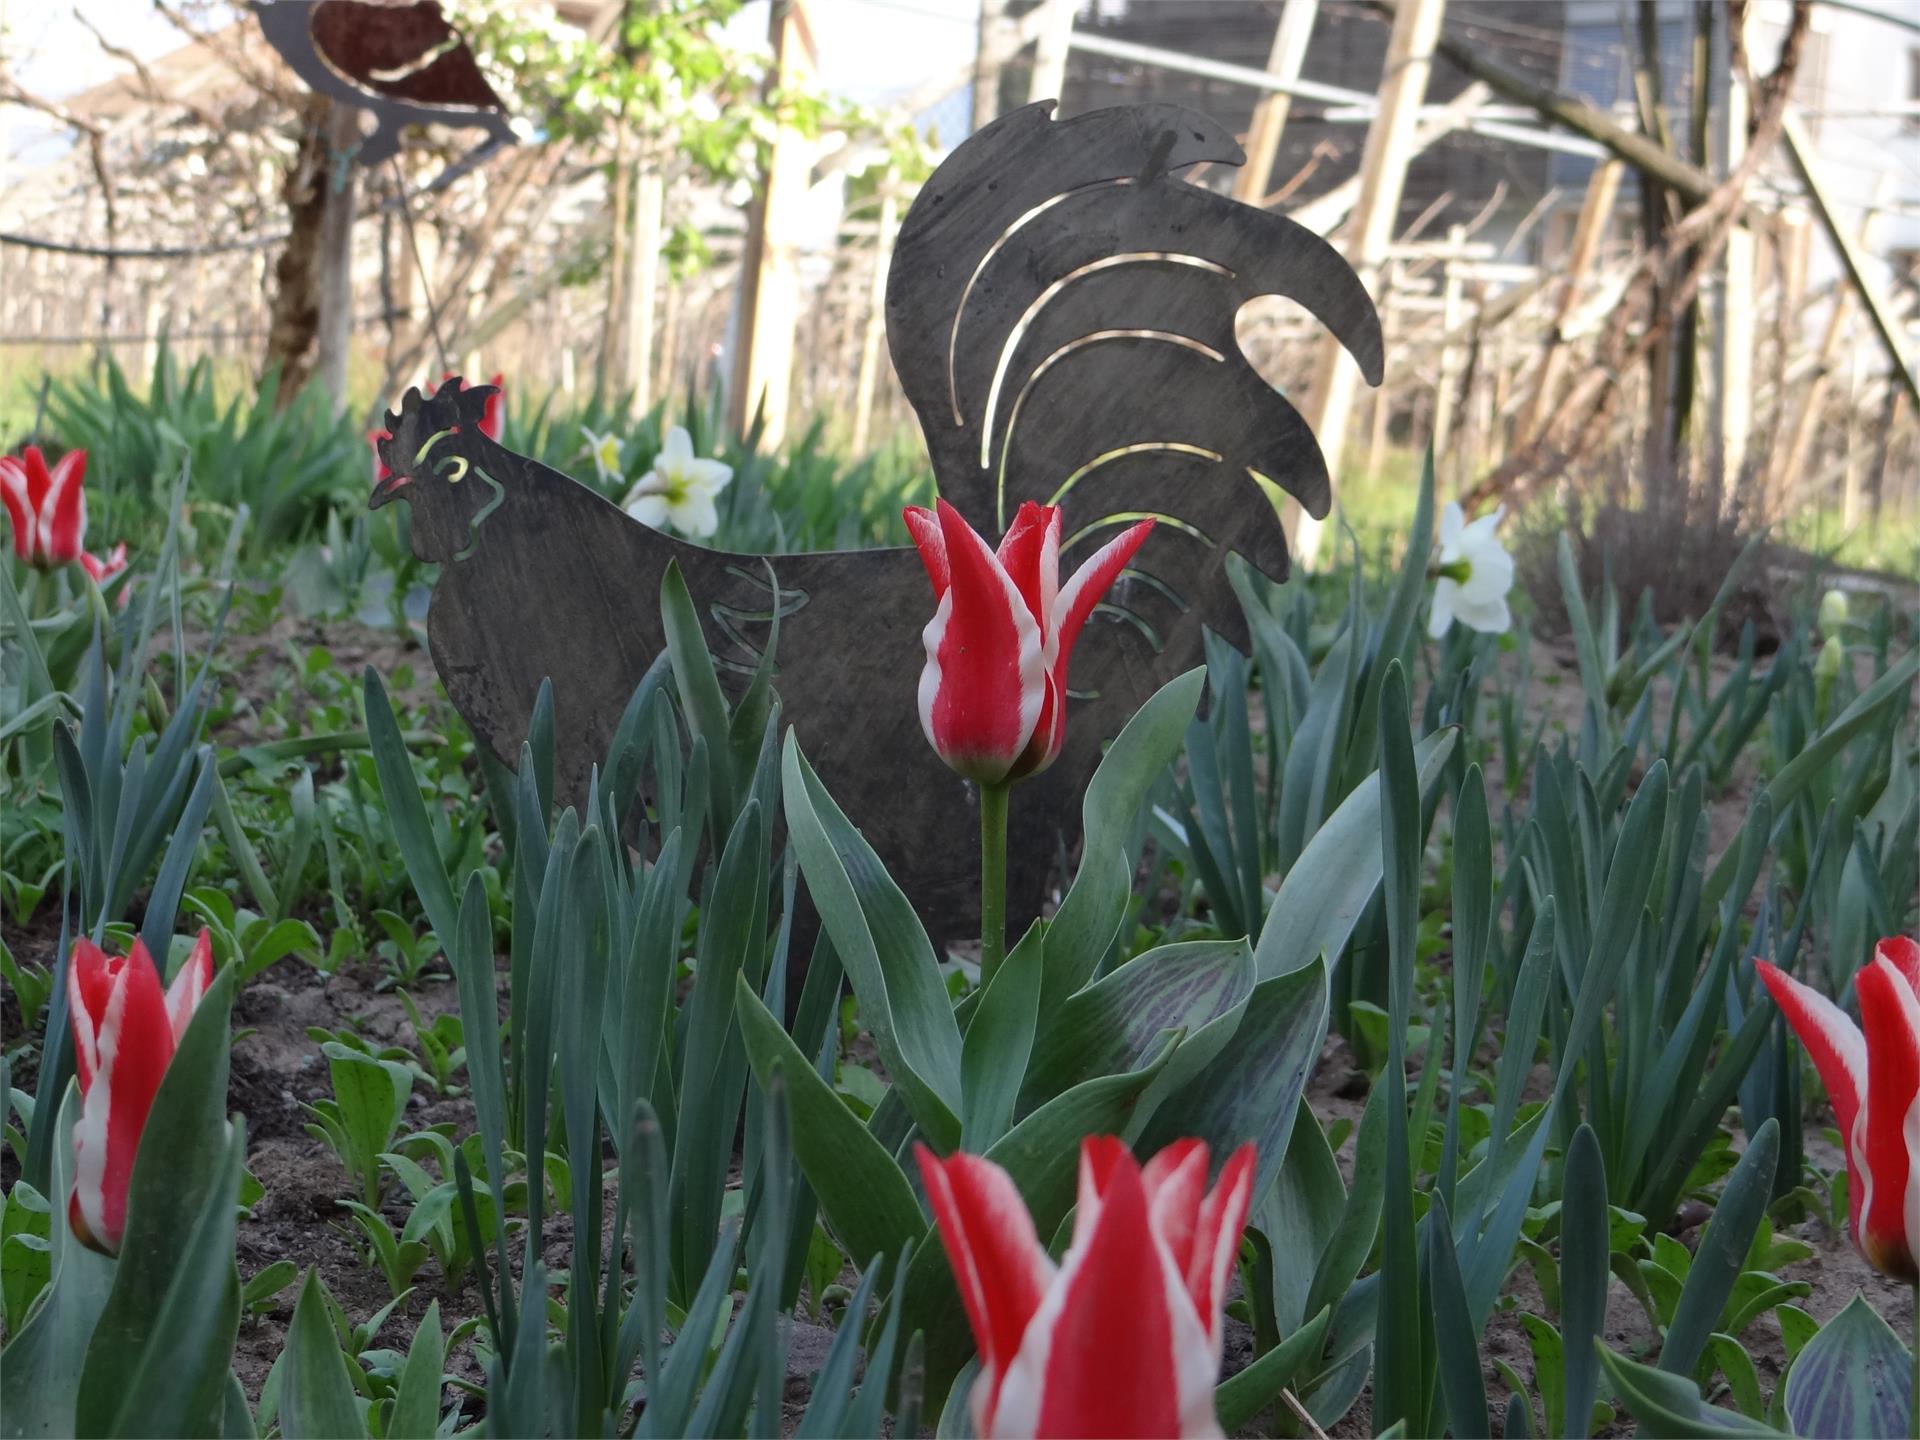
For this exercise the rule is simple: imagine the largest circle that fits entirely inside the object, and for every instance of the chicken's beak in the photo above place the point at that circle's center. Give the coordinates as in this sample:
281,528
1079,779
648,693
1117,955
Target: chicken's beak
388,488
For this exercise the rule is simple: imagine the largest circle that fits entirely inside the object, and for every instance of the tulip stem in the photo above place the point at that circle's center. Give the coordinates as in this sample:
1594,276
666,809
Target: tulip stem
993,880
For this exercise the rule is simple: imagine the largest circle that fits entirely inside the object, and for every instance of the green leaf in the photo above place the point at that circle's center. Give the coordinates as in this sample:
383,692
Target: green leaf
1242,1397
1112,1025
41,1366
903,1001
865,1195
699,686
1334,880
995,1053
316,1395
416,1405
372,1098
1251,1088
1456,1338
1852,1379
26,1252
1091,913
1584,1249
159,1356
1722,1252
1812,759
405,811
1667,1404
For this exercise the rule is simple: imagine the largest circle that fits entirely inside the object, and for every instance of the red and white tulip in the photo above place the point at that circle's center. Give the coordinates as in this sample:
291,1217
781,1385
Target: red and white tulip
993,695
1872,1074
493,420
47,507
1123,1337
125,1030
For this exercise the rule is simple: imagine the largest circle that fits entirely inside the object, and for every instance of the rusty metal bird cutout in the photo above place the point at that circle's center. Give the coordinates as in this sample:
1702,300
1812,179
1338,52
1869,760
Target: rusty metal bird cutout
1060,310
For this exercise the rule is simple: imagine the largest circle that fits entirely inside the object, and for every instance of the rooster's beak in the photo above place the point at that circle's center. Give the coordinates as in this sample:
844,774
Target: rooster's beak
387,489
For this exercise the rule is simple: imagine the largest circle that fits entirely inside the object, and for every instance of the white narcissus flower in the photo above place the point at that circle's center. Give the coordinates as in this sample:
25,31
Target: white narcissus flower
604,450
680,489
1475,573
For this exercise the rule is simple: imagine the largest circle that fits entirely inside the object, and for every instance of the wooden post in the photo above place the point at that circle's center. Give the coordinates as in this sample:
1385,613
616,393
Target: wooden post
1383,174
1270,115
335,329
986,64
762,375
1049,76
1382,412
1445,398
1801,149
1786,483
1732,398
876,324
1588,231
643,278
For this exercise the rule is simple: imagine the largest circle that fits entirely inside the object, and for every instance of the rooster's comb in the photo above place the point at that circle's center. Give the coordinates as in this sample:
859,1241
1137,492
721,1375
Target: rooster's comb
454,403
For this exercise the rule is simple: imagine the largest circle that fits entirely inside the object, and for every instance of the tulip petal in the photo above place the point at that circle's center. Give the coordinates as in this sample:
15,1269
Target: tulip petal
184,994
1904,955
1176,1181
63,513
998,1262
1886,1226
1221,1221
984,684
1087,588
1833,1041
13,493
39,481
924,527
1099,1356
120,1022
1030,552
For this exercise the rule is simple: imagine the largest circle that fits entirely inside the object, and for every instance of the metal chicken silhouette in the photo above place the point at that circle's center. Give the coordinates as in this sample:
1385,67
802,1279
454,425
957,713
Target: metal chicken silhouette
1061,314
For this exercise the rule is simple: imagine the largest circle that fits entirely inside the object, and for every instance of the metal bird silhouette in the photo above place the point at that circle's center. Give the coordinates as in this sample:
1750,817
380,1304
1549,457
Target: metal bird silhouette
1060,310
402,62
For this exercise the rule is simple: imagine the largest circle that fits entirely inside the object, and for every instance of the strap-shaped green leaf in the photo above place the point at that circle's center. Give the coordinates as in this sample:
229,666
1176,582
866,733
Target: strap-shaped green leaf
887,955
864,1193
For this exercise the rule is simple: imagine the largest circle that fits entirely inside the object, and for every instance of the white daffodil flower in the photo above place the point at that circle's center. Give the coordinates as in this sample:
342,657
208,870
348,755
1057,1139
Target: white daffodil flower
680,489
1474,575
604,450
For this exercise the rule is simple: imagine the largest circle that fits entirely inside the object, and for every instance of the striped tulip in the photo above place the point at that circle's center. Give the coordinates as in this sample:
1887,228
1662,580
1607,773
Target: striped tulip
1123,1337
993,693
48,507
1872,1075
125,1030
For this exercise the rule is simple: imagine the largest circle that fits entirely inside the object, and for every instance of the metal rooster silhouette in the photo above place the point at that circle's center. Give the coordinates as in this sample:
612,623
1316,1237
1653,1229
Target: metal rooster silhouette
1061,314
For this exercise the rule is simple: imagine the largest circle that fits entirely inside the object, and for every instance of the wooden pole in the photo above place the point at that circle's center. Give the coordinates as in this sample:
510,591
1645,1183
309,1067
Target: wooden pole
1383,174
1445,397
762,376
1270,115
1732,399
1786,482
876,324
1801,149
986,63
1588,232
335,329
1049,78
643,278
